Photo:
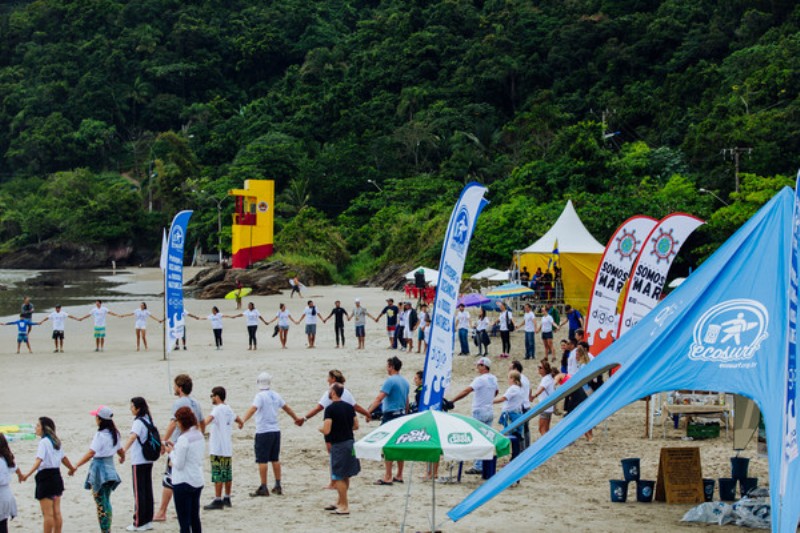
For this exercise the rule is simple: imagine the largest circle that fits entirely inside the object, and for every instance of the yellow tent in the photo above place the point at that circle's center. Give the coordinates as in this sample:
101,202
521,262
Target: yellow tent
578,254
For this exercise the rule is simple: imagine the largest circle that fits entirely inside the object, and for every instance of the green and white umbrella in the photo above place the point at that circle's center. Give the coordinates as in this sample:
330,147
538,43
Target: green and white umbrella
430,435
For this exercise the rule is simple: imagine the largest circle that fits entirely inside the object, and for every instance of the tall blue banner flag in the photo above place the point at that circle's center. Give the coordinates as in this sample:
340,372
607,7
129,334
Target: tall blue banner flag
173,290
439,358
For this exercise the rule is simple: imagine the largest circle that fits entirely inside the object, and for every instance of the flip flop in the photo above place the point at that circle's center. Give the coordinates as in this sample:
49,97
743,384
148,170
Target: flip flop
382,482
340,513
395,480
331,508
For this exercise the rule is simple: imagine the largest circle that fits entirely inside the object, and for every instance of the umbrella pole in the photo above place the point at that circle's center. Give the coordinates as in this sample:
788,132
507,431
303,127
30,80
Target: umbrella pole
408,494
433,510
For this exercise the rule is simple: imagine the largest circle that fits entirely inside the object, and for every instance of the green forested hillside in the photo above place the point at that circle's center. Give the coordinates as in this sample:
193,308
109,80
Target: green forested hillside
371,115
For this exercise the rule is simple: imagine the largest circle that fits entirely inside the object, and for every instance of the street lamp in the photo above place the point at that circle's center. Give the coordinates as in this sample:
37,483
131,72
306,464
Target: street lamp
375,184
218,202
706,191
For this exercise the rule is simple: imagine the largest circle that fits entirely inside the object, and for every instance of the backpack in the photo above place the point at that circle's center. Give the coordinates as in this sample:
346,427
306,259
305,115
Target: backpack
151,446
509,323
413,319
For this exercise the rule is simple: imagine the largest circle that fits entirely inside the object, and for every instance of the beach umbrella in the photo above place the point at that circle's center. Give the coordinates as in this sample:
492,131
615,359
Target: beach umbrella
491,305
429,436
509,290
473,299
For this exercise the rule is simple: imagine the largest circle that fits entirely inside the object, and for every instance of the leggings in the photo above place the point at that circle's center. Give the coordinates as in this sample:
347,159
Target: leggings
142,494
4,526
187,505
102,499
217,337
506,338
251,336
339,329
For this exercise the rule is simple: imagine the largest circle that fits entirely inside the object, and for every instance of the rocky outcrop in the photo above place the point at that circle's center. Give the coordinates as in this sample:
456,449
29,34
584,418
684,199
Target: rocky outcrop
263,278
391,278
65,255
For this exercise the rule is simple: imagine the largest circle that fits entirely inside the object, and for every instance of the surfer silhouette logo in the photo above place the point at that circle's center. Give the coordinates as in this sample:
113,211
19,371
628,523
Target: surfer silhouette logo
730,331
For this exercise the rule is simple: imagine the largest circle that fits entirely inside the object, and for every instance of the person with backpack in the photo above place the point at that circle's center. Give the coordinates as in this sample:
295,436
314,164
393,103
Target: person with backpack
144,444
506,323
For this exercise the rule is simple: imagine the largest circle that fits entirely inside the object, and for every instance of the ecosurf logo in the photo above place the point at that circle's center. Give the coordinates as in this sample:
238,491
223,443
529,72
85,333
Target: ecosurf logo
460,232
730,331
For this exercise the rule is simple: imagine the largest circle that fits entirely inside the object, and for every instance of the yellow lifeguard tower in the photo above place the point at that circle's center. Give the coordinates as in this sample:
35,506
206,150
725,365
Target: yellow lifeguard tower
252,231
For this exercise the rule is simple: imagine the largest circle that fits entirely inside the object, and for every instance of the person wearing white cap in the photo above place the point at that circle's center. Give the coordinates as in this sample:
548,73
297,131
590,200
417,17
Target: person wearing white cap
485,388
268,434
359,314
103,477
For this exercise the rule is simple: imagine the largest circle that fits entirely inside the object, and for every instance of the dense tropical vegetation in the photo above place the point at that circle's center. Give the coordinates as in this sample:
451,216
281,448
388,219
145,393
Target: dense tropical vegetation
371,115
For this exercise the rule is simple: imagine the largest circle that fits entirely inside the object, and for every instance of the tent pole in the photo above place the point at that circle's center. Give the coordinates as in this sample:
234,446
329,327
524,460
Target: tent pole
433,510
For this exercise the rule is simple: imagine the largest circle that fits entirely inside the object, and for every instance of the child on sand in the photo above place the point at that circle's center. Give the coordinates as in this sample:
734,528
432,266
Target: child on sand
23,326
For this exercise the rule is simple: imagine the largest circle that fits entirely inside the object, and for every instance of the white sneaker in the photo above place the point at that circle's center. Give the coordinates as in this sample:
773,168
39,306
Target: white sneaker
145,527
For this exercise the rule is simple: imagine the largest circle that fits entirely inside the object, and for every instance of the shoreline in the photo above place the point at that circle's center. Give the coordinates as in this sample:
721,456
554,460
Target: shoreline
67,386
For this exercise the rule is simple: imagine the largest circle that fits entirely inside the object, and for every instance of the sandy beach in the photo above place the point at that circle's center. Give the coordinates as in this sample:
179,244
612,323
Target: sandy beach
569,493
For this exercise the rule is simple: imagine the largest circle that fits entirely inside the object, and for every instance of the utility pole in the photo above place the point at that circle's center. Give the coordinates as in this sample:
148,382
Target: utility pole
734,154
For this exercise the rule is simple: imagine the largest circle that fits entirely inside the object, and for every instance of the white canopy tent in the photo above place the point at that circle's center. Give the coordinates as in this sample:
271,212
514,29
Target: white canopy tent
431,275
488,273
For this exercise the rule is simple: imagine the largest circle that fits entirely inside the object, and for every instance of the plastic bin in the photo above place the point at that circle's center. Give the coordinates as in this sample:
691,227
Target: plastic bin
708,489
630,469
619,490
644,490
727,489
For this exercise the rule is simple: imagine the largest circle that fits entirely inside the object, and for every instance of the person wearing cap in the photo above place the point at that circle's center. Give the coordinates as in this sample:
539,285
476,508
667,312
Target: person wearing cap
268,434
359,314
393,399
462,325
103,478
339,314
391,312
484,387
58,317
182,388
220,448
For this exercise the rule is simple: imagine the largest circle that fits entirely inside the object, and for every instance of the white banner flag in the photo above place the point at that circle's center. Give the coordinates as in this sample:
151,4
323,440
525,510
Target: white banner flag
652,266
439,359
621,252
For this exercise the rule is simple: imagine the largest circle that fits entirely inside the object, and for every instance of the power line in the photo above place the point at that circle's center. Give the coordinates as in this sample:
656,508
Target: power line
735,154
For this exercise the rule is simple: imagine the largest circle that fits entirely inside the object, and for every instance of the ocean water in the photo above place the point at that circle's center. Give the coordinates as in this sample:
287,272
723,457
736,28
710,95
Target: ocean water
73,289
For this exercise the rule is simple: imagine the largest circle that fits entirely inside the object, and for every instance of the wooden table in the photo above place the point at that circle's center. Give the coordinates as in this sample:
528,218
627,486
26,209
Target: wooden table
691,410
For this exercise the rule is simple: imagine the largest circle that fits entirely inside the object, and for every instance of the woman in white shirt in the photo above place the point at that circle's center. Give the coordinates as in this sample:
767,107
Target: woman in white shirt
103,479
512,401
142,469
546,388
141,314
252,316
283,317
187,470
216,324
505,320
49,483
8,505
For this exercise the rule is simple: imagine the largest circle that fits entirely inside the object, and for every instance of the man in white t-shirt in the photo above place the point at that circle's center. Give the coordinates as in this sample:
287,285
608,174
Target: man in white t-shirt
310,314
268,433
462,325
99,313
220,447
58,317
484,387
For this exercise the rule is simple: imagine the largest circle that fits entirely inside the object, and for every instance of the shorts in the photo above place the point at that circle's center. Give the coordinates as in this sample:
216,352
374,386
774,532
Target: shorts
58,334
22,337
99,333
391,415
547,335
268,447
221,469
408,334
311,329
420,334
546,416
49,483
284,328
390,330
360,332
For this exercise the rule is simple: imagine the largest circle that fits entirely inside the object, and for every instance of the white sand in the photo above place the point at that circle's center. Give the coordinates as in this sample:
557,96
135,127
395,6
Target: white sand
569,493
